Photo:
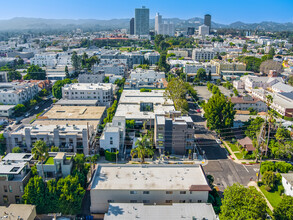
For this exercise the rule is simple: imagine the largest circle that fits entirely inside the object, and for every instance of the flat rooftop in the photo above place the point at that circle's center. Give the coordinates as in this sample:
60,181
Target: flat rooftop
130,100
11,168
18,210
6,107
76,102
95,123
88,86
18,157
126,211
150,177
58,112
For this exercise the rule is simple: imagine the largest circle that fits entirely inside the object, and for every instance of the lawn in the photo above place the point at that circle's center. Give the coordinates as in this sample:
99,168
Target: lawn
49,161
273,197
239,156
233,146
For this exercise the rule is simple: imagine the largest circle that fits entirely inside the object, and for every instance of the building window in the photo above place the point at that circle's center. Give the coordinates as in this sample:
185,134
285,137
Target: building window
168,201
110,201
182,192
133,201
169,192
146,192
198,201
181,201
17,199
146,201
10,188
5,199
21,188
133,192
5,189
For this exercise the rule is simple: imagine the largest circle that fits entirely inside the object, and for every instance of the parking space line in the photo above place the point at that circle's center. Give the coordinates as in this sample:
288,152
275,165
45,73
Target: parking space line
245,168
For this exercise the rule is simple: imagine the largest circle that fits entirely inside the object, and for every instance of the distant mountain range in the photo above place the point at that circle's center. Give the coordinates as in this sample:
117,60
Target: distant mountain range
21,24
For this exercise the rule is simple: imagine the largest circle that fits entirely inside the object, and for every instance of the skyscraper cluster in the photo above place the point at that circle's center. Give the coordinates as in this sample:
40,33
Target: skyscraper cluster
164,28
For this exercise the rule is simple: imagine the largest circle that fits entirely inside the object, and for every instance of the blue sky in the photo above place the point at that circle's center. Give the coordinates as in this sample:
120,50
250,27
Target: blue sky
222,11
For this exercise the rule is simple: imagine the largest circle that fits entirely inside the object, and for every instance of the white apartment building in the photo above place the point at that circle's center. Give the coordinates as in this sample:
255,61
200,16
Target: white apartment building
152,57
17,92
103,92
167,29
94,77
287,182
203,30
203,54
246,102
281,87
193,68
45,59
113,69
69,138
114,134
147,184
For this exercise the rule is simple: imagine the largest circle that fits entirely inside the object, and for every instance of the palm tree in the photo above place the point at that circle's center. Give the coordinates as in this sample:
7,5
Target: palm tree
142,149
271,120
40,152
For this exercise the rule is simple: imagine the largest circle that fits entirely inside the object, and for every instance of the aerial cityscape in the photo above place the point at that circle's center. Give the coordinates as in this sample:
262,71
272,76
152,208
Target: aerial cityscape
122,110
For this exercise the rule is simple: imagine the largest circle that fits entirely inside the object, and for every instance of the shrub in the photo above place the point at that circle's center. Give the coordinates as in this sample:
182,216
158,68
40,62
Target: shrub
281,190
267,166
145,90
268,188
111,156
259,183
283,167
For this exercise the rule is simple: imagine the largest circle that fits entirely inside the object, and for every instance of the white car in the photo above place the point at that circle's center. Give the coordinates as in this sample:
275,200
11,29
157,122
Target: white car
27,114
218,141
37,107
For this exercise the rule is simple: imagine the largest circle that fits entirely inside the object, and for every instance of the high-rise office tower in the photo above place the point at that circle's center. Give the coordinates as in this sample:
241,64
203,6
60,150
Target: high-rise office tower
158,21
208,21
190,31
131,28
141,21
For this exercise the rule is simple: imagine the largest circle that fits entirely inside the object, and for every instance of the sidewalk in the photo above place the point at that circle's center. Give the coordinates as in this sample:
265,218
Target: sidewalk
235,159
254,184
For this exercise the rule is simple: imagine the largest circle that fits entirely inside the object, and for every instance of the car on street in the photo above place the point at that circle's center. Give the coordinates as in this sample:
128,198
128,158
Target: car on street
37,107
198,110
218,141
18,122
27,114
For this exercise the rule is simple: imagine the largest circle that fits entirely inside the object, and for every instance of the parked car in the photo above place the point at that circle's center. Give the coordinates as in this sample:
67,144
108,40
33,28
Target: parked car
27,114
198,110
218,141
18,122
37,107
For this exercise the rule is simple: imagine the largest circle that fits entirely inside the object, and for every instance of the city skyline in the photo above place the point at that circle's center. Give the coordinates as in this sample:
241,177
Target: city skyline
225,13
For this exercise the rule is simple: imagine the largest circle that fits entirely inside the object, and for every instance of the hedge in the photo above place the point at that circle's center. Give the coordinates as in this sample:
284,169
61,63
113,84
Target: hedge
111,156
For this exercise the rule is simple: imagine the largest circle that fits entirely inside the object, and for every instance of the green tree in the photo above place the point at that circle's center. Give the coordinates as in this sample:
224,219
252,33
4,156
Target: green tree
176,91
162,64
284,210
35,72
130,124
66,72
142,149
13,75
210,76
57,87
40,152
55,149
71,195
76,61
242,203
253,126
219,112
34,193
244,48
201,74
252,63
290,80
16,150
269,178
282,134
272,52
19,109
2,144
106,79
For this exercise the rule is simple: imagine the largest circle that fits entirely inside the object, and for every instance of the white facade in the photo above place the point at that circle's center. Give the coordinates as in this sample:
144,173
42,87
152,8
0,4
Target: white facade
46,59
114,69
17,92
203,54
287,182
113,135
152,57
103,92
167,29
190,68
158,21
95,77
203,30
147,184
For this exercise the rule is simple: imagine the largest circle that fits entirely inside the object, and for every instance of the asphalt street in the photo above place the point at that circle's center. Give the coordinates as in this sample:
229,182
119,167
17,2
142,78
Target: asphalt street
224,170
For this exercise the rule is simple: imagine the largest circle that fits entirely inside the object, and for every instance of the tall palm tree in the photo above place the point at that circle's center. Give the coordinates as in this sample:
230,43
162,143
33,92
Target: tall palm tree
271,120
142,149
40,152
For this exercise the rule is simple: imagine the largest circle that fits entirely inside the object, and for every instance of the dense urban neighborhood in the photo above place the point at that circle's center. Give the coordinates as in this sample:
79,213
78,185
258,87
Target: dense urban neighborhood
148,122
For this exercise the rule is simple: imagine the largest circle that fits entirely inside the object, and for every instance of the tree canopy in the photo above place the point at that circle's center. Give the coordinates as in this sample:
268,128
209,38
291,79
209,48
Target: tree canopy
284,211
242,203
57,87
35,72
219,112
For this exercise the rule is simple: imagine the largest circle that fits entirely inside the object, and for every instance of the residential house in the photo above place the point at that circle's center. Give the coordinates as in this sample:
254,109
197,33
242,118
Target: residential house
287,182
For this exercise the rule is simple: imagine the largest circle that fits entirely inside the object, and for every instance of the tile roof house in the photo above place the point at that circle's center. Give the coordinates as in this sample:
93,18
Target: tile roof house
247,144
